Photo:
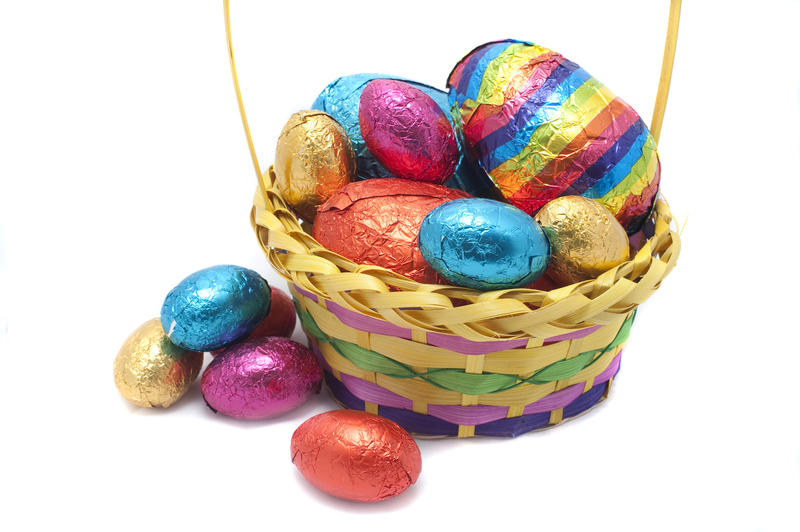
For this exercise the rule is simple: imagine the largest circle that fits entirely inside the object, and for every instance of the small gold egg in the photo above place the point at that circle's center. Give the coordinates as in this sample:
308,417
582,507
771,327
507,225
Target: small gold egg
585,238
152,371
313,160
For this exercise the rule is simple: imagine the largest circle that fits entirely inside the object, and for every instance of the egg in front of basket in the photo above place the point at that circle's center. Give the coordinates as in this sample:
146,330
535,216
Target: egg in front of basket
484,244
214,307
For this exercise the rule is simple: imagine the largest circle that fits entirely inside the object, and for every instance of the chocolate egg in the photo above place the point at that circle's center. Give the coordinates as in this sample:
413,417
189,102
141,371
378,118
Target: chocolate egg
280,321
377,221
261,378
213,307
356,455
407,132
542,127
342,100
484,244
585,239
152,371
313,160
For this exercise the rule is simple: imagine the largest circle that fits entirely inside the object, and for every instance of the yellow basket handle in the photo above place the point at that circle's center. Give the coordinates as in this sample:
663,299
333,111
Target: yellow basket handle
658,109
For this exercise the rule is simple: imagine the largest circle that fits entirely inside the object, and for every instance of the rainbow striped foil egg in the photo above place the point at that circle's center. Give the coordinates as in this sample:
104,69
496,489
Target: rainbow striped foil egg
542,127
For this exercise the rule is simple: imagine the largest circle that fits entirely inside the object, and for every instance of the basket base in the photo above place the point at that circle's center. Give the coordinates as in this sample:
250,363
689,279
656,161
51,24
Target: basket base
430,427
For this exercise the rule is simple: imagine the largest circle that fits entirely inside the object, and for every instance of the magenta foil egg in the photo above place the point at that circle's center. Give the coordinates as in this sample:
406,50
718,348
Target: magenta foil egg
261,378
407,132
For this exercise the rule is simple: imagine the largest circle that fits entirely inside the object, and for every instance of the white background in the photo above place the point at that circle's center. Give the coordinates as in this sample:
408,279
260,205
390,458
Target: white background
124,169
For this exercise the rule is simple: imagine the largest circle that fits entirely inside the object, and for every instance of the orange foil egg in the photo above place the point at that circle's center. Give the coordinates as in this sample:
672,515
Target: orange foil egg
377,222
355,455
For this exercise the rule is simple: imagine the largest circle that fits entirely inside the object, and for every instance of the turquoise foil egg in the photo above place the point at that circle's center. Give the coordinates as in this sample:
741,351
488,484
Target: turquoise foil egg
214,307
484,244
341,99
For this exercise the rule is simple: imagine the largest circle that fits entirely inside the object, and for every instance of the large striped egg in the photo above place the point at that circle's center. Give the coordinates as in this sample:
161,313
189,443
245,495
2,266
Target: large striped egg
542,127
342,99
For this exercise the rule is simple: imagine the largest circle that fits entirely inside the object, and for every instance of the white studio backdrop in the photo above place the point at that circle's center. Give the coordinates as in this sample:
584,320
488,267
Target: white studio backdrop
124,168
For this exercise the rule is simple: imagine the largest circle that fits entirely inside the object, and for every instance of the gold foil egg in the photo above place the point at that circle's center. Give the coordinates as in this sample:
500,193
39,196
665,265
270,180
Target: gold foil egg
152,371
585,238
313,160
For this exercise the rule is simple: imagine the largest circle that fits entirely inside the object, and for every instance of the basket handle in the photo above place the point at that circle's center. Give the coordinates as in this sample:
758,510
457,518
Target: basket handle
655,123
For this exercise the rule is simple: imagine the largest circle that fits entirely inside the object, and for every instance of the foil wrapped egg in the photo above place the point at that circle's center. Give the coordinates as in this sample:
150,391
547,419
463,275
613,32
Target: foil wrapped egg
355,455
280,320
407,132
484,244
261,378
542,127
377,222
313,159
213,307
585,239
151,371
342,100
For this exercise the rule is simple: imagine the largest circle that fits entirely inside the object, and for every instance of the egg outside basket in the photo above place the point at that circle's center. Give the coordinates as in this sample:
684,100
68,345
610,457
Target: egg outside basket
451,361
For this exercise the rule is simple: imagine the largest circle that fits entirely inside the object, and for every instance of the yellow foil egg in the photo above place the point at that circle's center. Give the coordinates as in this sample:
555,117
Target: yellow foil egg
313,160
152,371
585,238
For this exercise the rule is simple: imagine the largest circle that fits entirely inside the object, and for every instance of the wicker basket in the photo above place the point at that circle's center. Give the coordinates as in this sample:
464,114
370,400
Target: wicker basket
451,361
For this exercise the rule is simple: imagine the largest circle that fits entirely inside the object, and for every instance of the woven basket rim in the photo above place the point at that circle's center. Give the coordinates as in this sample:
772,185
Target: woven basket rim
491,315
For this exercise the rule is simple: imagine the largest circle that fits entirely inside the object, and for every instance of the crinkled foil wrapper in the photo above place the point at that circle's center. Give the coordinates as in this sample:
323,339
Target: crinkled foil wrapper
280,321
542,127
151,371
214,307
585,239
407,131
484,244
313,160
377,221
356,455
261,378
342,99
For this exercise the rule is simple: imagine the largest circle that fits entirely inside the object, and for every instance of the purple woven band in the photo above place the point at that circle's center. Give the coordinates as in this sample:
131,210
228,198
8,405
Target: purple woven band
434,426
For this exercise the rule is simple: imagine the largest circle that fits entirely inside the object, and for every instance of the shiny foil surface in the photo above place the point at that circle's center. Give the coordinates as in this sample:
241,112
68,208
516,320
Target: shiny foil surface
151,371
213,307
280,321
356,455
407,132
377,222
261,378
542,127
313,160
484,244
585,239
342,100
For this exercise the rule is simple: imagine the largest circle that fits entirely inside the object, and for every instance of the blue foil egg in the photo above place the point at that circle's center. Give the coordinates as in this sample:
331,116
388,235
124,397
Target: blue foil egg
341,99
484,244
214,307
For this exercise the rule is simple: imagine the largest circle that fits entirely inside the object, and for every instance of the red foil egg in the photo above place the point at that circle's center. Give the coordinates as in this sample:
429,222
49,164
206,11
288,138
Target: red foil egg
407,132
355,455
280,320
377,221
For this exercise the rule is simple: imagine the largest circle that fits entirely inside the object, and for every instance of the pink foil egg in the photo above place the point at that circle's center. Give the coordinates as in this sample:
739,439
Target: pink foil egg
407,132
261,378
